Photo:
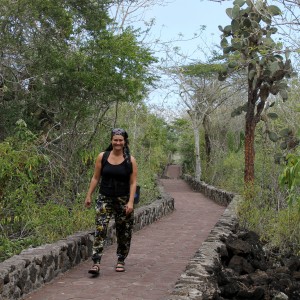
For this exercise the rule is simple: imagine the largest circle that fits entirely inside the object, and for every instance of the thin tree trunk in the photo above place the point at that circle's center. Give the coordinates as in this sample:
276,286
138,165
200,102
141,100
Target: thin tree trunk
249,144
207,139
249,153
197,152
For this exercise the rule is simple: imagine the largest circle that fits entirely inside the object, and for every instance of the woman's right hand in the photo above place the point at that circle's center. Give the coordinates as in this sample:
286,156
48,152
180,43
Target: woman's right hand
88,202
94,181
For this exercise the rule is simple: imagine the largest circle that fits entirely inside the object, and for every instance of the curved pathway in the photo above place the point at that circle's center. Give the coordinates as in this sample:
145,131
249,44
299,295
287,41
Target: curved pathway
158,255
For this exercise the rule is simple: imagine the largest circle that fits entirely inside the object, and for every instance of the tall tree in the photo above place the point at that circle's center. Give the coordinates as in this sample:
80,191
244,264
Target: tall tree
201,93
248,45
61,69
60,64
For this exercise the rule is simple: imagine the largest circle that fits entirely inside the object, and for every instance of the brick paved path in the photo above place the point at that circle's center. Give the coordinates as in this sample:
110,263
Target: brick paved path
158,255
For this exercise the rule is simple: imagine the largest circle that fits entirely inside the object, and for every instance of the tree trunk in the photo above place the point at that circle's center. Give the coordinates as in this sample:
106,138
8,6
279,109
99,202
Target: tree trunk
249,152
207,139
197,152
249,144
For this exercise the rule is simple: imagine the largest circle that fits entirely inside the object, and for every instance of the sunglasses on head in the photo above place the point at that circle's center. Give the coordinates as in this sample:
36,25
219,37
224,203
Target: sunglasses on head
119,131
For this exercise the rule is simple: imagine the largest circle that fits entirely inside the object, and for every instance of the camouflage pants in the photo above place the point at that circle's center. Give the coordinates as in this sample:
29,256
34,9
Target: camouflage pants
106,207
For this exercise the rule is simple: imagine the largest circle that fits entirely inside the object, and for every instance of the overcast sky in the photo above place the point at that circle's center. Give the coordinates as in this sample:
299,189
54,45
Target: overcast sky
186,17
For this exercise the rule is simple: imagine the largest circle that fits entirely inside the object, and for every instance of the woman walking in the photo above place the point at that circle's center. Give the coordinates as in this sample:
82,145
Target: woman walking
118,172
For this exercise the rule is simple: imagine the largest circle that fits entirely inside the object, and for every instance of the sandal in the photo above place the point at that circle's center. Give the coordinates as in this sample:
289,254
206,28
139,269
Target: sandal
95,269
120,267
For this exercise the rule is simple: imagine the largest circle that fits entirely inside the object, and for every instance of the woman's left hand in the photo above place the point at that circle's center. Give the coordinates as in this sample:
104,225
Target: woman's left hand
129,208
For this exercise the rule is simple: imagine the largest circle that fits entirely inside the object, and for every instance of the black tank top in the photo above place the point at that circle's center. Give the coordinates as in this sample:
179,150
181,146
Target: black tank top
115,180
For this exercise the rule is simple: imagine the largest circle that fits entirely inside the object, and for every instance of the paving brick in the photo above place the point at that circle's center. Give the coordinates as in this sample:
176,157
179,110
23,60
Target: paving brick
158,255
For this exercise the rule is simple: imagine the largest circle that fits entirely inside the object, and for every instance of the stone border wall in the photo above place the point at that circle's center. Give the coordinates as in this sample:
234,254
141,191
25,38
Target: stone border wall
24,273
220,196
197,282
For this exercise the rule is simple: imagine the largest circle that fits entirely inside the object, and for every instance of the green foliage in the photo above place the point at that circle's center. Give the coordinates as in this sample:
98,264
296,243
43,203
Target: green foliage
248,45
235,141
291,178
62,68
202,69
52,221
187,152
47,223
265,210
277,227
227,172
20,188
239,110
20,180
37,207
151,143
26,219
9,247
148,183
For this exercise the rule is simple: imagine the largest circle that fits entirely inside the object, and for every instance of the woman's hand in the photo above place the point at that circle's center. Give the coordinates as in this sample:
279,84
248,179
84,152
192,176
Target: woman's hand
129,208
94,181
88,201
